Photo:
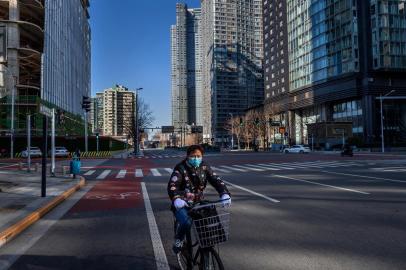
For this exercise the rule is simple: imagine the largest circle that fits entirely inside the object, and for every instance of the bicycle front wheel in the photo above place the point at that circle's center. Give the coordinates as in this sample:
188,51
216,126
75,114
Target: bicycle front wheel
184,257
210,260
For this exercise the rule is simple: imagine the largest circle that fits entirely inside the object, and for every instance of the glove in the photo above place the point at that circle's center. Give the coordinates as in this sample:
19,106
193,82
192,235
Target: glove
226,200
179,203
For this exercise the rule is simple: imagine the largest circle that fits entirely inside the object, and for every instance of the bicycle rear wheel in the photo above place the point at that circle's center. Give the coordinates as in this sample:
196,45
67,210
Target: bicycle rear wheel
210,260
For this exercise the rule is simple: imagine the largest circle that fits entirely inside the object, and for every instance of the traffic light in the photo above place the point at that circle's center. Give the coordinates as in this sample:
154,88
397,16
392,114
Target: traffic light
257,121
60,117
241,122
86,103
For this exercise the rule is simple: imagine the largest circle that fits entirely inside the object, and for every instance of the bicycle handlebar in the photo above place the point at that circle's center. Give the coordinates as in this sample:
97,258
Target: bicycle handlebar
204,203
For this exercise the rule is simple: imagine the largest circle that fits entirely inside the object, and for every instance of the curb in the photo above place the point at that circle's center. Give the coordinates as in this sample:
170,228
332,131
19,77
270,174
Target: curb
11,232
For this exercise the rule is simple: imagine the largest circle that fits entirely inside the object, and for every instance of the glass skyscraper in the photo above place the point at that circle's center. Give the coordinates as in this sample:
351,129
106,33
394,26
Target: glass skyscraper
342,56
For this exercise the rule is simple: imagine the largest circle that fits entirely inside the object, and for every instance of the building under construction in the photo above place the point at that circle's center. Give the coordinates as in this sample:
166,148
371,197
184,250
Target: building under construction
44,58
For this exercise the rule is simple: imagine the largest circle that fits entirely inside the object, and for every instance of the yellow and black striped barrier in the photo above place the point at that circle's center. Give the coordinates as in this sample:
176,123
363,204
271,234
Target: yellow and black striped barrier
94,154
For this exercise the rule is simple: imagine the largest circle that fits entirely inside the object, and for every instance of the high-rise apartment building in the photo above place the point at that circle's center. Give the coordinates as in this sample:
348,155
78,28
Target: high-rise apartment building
44,56
187,107
118,111
96,113
232,60
329,61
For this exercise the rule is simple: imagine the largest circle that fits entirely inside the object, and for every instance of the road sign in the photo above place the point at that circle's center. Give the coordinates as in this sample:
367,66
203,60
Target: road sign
282,130
197,129
275,124
44,110
168,129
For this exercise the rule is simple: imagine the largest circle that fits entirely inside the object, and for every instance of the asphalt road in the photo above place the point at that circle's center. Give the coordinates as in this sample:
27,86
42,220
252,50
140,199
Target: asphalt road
313,211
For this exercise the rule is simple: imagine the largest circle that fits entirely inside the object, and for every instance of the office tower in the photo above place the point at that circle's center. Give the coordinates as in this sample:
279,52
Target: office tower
341,57
186,58
118,111
45,57
232,60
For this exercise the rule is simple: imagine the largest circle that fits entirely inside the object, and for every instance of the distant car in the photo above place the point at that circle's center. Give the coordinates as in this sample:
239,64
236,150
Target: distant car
347,150
297,149
60,151
34,152
283,147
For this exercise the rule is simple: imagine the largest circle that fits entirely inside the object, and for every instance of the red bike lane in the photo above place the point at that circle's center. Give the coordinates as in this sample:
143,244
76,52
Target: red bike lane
115,193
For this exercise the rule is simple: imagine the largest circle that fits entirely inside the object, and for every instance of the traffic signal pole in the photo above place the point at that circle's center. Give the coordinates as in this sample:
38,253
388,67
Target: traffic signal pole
86,139
53,144
86,108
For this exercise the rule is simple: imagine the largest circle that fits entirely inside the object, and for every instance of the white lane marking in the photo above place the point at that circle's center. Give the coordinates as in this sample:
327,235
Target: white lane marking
342,165
247,166
159,251
121,174
169,170
252,192
266,167
104,174
90,172
155,172
138,173
364,176
220,170
160,156
320,184
233,169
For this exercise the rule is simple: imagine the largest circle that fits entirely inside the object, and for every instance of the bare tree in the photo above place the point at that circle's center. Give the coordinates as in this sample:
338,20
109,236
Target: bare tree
235,127
248,129
145,115
145,119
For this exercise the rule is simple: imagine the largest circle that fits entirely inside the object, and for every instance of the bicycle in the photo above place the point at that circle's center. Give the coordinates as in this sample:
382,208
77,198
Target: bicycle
211,226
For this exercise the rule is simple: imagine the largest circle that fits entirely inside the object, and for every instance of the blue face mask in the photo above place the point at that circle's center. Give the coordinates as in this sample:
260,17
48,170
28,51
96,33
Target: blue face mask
195,162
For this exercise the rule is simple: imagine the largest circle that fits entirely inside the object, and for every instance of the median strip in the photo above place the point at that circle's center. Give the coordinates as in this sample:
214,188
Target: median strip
11,232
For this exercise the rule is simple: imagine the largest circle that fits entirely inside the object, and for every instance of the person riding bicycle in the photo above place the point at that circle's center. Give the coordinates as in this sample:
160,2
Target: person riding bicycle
187,183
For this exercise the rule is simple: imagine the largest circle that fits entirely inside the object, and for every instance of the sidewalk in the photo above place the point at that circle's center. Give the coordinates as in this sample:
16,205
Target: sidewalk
21,203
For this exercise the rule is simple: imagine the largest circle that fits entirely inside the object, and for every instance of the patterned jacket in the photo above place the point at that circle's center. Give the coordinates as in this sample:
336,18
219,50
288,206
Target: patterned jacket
188,180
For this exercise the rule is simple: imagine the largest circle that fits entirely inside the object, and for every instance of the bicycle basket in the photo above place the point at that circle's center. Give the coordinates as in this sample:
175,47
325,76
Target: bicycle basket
211,225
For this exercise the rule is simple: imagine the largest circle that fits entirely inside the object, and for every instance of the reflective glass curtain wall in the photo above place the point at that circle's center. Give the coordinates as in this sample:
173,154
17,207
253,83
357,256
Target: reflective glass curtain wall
323,40
66,64
388,23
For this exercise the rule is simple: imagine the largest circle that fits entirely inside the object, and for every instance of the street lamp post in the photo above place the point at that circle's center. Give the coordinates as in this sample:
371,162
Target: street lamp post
136,139
232,131
382,130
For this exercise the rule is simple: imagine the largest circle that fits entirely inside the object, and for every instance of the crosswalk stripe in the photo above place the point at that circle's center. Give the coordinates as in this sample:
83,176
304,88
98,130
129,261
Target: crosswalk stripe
340,165
277,166
249,167
220,170
90,172
169,170
104,174
155,172
121,174
138,173
266,167
233,169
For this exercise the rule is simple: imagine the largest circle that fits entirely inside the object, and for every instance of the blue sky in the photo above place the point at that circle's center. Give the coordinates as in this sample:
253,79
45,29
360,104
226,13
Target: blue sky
131,46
